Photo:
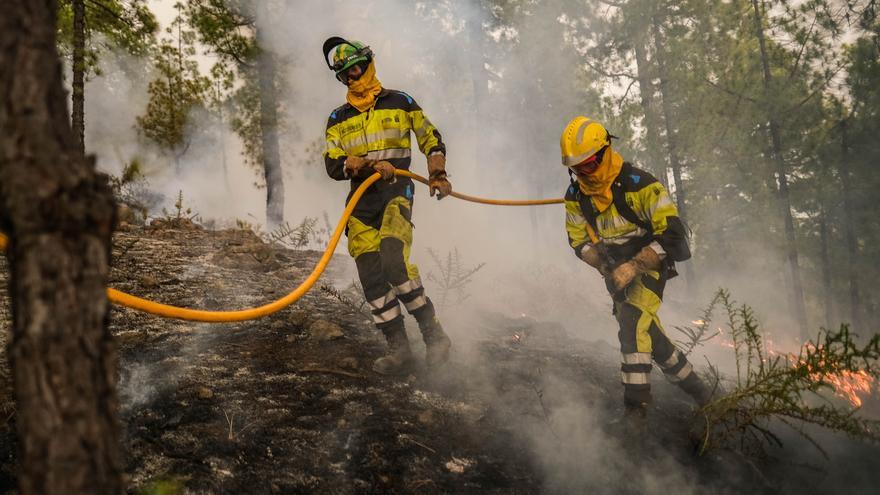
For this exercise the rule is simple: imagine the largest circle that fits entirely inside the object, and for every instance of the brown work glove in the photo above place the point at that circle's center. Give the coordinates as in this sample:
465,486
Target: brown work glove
386,169
592,257
355,166
646,260
440,185
437,181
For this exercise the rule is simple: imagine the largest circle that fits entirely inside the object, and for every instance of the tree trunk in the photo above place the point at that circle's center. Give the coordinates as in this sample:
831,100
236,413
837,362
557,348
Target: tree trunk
825,255
852,246
477,154
271,149
79,69
479,77
797,294
59,215
672,141
649,108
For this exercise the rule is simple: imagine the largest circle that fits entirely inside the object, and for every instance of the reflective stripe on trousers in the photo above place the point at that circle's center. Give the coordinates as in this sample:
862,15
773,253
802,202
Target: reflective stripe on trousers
642,339
382,259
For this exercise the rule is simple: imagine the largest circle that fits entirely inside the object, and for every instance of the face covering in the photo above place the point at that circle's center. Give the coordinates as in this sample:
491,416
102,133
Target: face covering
598,184
362,93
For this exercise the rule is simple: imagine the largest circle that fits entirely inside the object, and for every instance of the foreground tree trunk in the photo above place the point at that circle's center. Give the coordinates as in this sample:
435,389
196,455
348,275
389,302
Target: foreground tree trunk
58,213
77,116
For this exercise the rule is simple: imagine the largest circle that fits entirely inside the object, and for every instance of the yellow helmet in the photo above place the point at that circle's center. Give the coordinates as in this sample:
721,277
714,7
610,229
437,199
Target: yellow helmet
581,139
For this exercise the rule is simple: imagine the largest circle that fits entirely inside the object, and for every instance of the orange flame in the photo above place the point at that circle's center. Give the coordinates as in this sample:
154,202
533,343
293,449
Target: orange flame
848,385
852,386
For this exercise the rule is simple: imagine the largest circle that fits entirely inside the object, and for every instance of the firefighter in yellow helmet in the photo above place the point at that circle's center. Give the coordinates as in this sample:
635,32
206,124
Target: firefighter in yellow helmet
621,222
371,133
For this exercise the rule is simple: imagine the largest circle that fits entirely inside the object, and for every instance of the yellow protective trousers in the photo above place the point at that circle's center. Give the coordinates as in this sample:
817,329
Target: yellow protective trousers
642,340
382,259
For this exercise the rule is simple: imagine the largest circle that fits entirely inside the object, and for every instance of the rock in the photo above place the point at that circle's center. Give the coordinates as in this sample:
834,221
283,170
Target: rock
458,466
125,214
299,317
426,417
322,330
204,393
158,223
149,282
348,363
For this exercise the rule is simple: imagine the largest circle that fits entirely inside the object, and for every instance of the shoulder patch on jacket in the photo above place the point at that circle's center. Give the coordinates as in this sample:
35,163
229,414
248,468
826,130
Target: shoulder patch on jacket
408,97
635,179
571,192
337,112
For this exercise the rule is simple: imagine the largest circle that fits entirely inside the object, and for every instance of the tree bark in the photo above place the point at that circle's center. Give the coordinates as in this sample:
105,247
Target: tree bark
825,255
671,141
79,69
59,215
784,199
271,149
649,108
852,246
477,61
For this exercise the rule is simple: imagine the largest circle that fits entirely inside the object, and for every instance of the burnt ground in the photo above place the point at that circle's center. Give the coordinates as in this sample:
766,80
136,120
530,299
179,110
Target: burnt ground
288,404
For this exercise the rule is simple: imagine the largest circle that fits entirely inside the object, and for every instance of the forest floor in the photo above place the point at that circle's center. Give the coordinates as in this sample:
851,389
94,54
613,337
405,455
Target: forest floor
288,403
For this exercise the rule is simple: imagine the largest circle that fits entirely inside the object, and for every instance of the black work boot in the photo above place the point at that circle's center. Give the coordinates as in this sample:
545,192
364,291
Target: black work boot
694,386
437,343
399,359
635,422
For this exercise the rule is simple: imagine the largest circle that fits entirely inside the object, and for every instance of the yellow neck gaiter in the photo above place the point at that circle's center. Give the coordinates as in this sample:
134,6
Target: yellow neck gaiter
598,184
362,93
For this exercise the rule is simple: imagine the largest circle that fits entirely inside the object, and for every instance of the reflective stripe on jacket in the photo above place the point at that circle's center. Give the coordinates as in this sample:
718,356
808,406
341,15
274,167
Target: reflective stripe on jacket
648,200
380,133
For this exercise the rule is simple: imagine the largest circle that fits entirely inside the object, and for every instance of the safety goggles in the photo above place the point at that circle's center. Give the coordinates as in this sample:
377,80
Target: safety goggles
589,166
343,75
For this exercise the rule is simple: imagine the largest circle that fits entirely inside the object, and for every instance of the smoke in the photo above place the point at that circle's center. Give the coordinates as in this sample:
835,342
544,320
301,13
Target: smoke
427,49
500,92
500,102
211,175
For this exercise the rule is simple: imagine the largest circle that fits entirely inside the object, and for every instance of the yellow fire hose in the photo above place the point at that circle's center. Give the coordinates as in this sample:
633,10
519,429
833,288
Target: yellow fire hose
168,311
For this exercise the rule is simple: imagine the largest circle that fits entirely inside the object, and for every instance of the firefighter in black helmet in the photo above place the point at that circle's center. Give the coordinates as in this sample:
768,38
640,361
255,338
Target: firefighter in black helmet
368,134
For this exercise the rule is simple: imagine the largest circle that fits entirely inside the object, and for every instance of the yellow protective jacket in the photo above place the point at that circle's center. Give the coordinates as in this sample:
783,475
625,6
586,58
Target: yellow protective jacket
380,133
641,214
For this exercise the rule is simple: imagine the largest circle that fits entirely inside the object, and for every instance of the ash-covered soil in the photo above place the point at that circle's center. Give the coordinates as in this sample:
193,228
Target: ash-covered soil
288,404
